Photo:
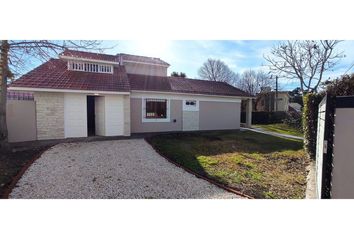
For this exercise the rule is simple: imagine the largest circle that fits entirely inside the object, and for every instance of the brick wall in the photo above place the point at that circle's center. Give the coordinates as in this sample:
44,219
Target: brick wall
50,115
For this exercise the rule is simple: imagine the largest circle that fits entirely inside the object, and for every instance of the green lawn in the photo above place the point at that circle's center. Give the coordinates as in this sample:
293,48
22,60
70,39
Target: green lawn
259,165
280,128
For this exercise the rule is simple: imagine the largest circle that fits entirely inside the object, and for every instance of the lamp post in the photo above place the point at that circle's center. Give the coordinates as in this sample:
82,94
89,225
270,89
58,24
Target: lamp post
276,91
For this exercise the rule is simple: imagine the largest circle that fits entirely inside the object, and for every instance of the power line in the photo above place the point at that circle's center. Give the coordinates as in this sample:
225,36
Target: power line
349,68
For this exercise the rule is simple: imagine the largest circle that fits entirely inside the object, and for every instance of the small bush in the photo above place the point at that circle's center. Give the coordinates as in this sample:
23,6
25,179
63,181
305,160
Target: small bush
293,120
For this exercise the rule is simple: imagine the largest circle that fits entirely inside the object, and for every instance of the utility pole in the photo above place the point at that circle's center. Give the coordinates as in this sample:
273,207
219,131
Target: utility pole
276,93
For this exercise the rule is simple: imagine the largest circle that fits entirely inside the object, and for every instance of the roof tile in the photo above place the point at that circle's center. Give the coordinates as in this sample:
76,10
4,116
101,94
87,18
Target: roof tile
90,55
54,74
183,85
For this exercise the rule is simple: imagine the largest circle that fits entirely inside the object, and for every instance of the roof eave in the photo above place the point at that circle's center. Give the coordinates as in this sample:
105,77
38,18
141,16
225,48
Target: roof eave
31,89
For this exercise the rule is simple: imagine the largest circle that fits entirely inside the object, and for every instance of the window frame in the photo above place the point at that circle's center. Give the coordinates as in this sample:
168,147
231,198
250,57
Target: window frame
82,66
143,111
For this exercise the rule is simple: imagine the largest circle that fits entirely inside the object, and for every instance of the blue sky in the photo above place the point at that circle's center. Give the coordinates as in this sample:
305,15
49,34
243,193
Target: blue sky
188,56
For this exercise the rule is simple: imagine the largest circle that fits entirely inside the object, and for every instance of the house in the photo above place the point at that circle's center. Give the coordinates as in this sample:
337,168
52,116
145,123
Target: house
266,101
296,106
82,94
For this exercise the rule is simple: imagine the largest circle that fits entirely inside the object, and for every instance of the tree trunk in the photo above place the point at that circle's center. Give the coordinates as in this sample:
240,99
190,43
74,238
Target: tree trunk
4,50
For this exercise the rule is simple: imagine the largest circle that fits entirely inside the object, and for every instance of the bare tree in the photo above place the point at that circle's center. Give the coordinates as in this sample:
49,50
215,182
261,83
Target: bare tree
176,74
252,81
304,60
14,55
216,70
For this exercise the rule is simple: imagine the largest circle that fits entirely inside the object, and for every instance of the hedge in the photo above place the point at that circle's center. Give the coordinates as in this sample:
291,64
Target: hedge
265,117
309,118
339,87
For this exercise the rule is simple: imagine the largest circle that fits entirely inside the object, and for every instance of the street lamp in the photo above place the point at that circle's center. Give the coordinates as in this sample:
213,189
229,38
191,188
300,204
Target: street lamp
276,91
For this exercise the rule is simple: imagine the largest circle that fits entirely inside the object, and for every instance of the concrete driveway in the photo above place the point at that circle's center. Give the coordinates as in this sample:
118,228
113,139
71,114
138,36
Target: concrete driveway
110,169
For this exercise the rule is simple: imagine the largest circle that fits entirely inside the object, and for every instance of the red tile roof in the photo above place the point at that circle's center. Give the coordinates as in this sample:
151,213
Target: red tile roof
54,74
90,55
183,85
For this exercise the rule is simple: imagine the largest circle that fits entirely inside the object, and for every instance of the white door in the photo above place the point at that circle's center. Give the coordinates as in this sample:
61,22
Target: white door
190,120
100,116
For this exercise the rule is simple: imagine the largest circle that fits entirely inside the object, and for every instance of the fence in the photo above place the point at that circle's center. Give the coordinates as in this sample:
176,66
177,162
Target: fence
335,148
265,117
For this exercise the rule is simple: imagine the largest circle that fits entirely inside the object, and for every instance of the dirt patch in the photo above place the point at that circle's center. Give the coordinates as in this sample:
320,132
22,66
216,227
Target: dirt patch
13,163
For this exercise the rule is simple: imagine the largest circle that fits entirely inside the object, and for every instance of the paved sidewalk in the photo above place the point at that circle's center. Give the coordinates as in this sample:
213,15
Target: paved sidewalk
259,130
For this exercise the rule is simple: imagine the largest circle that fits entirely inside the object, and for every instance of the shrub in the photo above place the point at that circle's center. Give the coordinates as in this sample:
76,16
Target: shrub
341,87
293,120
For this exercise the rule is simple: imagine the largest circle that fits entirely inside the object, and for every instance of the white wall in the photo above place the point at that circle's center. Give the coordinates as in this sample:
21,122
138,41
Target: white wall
145,69
75,115
109,115
114,115
100,116
283,104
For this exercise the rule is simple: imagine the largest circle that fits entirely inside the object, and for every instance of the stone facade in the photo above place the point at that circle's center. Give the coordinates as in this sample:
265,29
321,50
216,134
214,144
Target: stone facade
50,115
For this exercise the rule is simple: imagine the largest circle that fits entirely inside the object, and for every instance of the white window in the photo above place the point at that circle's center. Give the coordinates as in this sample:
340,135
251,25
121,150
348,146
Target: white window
155,110
190,105
89,67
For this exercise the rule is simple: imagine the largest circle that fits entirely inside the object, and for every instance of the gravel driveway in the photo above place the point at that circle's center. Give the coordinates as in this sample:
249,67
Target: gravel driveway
110,169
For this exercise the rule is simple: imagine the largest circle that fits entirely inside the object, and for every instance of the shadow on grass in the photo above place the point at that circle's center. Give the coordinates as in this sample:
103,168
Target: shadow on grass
193,149
220,142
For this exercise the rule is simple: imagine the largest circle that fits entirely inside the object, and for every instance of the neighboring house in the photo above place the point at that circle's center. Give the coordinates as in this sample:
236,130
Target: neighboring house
296,106
266,101
82,94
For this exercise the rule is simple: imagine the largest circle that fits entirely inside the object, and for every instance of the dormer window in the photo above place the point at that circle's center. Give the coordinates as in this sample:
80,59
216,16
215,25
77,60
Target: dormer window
89,67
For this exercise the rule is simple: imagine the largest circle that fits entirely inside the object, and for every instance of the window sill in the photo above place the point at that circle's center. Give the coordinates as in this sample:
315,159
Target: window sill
155,120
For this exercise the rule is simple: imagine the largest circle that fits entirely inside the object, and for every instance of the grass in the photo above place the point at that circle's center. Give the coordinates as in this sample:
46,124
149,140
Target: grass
280,128
259,165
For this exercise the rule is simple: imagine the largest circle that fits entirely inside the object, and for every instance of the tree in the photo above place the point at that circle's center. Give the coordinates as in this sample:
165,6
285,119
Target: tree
304,60
252,81
14,55
216,70
176,74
